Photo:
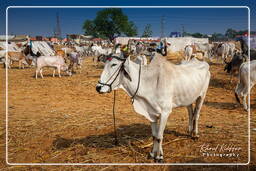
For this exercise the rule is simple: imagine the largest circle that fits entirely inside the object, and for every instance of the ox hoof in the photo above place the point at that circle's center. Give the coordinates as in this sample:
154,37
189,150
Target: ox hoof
159,159
150,156
195,137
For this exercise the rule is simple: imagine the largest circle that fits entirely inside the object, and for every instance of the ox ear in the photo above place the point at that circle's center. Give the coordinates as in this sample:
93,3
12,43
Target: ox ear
127,68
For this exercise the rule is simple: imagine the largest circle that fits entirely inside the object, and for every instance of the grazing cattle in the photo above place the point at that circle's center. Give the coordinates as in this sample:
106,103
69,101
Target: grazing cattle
224,50
157,88
55,62
75,60
233,66
68,50
17,57
80,50
244,48
99,51
245,82
204,48
188,52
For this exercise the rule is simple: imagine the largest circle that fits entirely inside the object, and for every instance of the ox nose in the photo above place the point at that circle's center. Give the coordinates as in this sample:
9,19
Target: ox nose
98,88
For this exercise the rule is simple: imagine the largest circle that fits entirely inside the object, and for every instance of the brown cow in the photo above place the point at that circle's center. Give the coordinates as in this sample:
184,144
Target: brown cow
60,53
17,57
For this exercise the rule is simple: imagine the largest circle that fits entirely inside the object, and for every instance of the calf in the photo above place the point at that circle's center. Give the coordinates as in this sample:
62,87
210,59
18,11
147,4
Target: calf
55,62
245,82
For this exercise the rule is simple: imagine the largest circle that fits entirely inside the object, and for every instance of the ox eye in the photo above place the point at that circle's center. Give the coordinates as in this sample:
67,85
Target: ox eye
113,65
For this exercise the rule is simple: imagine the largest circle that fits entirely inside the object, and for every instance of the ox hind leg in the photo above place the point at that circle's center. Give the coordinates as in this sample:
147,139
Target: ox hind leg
20,63
37,70
53,73
58,68
195,117
190,116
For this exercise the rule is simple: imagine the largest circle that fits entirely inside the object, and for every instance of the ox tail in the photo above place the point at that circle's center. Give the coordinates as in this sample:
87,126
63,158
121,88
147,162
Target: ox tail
238,88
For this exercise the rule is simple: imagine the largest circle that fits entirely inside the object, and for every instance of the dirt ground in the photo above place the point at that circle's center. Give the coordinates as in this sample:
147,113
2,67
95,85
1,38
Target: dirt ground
64,120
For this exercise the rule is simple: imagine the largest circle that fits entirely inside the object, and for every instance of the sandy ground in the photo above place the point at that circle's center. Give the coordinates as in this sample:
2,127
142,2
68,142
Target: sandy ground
64,120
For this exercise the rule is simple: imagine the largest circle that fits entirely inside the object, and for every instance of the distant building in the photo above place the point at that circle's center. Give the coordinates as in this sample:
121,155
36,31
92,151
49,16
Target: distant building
175,34
78,38
39,38
14,38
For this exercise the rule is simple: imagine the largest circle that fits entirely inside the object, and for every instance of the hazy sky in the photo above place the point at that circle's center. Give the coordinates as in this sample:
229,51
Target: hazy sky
41,21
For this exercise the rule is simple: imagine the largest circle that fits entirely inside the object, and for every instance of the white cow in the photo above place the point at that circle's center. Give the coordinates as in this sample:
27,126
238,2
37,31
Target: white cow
188,52
99,51
205,49
224,50
56,62
75,60
141,59
245,83
157,88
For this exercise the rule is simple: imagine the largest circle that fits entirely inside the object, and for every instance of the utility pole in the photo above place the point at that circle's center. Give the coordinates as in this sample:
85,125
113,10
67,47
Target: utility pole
57,30
183,30
162,25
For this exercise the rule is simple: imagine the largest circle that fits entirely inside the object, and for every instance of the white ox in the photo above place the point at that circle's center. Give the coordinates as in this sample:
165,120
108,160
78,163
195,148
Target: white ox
56,62
99,51
188,52
162,87
205,49
245,83
141,59
75,60
224,50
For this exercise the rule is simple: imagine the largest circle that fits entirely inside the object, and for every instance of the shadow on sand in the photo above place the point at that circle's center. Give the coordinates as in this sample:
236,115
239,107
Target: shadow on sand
222,105
126,134
220,83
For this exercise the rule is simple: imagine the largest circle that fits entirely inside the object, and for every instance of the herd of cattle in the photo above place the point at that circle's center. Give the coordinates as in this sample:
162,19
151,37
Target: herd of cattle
174,85
70,56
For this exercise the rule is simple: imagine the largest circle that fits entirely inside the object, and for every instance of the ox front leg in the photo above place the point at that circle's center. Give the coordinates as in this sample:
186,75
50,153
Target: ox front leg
154,129
159,157
37,70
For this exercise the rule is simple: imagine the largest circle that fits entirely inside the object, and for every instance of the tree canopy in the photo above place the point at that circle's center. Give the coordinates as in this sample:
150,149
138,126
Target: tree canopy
110,23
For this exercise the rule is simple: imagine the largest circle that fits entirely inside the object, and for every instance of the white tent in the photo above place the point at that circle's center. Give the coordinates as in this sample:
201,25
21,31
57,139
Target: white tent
43,48
11,46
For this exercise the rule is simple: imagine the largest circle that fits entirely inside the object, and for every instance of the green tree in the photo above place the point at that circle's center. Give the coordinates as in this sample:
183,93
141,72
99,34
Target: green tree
197,35
110,23
89,28
231,33
147,31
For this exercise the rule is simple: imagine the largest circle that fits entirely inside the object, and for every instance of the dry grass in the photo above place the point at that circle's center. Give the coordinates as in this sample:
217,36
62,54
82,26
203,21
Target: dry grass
65,120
